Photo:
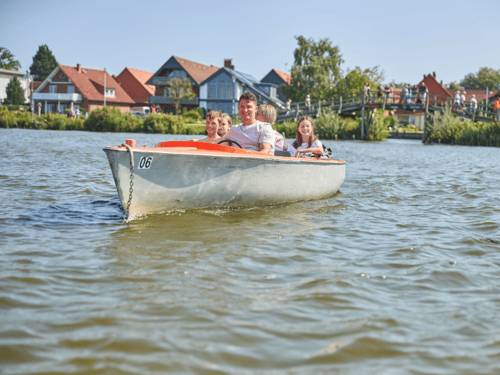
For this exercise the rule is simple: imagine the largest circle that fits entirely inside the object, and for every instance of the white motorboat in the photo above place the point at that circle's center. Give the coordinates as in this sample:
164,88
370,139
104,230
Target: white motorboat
189,175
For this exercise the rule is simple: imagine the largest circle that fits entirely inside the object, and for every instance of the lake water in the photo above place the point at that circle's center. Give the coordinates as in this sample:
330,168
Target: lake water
398,273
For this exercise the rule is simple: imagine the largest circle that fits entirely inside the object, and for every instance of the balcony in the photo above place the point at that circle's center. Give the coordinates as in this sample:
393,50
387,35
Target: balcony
57,97
168,100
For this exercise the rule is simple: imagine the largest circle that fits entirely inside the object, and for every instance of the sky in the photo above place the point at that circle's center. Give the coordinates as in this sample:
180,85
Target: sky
405,39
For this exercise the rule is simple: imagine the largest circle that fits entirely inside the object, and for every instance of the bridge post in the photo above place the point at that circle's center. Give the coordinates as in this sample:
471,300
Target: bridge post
383,103
426,114
362,117
340,105
319,108
296,112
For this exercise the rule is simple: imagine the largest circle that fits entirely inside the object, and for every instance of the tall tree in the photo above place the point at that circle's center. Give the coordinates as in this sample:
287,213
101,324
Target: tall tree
15,92
7,60
44,63
315,71
355,79
484,78
179,89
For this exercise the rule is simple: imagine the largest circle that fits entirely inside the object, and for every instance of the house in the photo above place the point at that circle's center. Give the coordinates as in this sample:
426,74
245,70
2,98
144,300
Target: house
277,78
77,87
221,90
177,67
5,77
133,81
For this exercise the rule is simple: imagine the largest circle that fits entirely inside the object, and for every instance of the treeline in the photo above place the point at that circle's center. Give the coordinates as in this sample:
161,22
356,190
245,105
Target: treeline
107,119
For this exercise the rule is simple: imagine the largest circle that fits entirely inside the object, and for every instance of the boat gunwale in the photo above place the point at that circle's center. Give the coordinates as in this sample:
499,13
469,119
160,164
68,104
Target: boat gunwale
252,155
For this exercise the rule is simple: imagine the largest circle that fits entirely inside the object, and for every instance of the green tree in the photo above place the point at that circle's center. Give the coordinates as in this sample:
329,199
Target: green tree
7,60
484,78
315,70
453,85
44,63
15,93
179,89
355,79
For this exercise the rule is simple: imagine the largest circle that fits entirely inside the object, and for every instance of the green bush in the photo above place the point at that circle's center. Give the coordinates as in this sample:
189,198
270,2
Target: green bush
191,116
378,130
111,119
288,127
327,125
192,130
164,124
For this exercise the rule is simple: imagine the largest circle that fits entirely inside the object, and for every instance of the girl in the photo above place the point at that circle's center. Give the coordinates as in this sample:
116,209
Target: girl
224,124
305,141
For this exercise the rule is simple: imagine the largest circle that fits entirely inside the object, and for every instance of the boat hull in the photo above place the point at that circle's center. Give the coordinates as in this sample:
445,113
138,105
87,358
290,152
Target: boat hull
185,179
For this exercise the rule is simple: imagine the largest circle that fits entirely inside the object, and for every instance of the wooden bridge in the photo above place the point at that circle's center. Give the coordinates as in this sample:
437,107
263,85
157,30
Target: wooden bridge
429,104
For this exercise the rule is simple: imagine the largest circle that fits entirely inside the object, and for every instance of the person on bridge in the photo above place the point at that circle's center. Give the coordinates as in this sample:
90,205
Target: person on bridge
308,102
288,107
422,91
457,101
497,110
473,104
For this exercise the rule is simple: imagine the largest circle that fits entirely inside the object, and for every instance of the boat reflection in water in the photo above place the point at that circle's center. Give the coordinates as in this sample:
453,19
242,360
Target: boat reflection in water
186,175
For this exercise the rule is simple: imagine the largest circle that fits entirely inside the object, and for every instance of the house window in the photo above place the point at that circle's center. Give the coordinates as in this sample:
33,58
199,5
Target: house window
63,108
50,108
53,89
71,89
110,93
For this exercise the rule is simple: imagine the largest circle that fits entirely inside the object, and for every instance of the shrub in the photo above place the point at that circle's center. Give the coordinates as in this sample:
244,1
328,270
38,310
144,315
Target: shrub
191,116
378,130
164,124
111,119
192,130
288,127
328,124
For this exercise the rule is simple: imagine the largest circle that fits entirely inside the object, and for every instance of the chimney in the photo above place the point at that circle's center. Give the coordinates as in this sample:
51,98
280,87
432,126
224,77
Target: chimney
424,76
79,68
434,74
228,63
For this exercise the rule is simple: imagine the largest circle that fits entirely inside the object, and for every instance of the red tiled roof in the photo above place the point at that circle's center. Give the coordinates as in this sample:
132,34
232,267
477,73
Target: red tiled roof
197,71
90,83
133,81
434,86
284,76
36,84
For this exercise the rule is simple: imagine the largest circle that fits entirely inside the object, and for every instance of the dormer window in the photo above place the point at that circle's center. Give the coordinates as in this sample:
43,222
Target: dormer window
110,93
53,89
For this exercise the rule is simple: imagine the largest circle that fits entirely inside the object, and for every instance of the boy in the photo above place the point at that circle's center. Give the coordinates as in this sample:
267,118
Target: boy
212,125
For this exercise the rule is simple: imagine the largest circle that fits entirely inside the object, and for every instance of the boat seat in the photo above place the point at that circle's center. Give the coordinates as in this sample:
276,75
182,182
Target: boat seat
283,153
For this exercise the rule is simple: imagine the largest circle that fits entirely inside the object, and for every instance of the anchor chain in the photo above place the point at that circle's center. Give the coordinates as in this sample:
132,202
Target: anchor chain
131,189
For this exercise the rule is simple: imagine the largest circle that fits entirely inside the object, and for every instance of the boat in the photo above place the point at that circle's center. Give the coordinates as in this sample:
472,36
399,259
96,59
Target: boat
181,175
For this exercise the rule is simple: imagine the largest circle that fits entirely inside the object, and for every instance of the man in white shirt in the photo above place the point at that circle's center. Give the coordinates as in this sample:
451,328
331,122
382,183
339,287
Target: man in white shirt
251,134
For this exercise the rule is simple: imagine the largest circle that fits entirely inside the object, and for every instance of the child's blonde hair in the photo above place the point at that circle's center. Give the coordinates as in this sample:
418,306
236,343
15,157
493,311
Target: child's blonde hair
268,112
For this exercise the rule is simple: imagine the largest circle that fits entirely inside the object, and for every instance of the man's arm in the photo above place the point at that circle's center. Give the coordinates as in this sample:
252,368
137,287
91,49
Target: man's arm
265,148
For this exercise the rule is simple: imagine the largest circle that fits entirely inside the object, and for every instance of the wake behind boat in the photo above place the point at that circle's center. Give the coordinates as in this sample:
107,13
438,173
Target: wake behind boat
190,175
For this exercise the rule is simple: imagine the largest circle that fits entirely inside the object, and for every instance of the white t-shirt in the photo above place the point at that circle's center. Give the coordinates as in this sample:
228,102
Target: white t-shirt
250,136
293,150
